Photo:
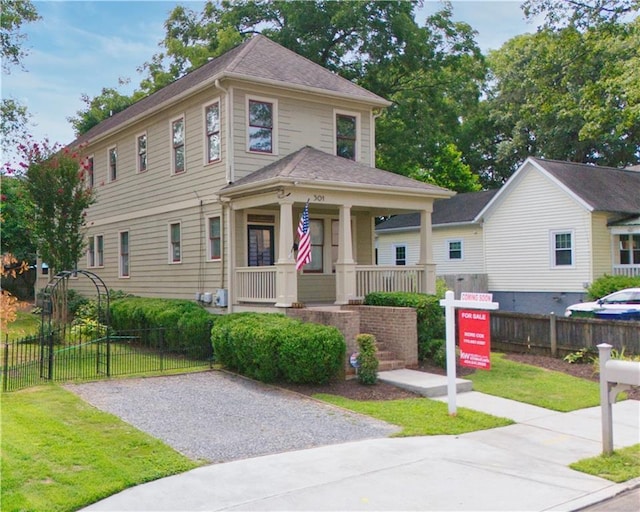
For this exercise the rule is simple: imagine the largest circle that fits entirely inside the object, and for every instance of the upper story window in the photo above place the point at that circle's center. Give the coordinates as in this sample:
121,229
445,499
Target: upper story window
175,255
113,163
454,249
177,139
212,127
89,172
562,245
141,145
215,240
400,255
261,126
346,135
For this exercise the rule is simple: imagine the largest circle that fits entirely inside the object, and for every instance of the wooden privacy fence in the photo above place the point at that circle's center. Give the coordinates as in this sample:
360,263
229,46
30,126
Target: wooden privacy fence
550,334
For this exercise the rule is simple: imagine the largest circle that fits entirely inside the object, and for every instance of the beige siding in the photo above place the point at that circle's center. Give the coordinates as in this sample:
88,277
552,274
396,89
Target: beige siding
517,238
317,288
472,261
602,248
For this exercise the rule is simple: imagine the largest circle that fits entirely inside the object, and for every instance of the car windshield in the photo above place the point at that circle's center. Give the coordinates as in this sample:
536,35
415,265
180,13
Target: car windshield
624,297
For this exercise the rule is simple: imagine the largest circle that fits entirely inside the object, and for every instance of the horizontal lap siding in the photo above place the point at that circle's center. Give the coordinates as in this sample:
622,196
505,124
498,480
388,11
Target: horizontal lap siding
317,287
517,238
472,250
602,256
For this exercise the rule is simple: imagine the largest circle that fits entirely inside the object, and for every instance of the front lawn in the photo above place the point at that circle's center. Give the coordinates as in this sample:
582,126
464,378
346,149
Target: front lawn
620,466
61,454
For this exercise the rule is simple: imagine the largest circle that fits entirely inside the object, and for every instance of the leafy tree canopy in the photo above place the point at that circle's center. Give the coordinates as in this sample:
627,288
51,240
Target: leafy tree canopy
579,13
15,210
15,13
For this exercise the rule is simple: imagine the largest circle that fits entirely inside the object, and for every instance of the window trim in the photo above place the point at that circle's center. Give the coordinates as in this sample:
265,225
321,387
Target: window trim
171,260
395,255
121,274
210,256
274,124
554,250
448,243
94,239
357,149
205,108
139,168
174,171
112,171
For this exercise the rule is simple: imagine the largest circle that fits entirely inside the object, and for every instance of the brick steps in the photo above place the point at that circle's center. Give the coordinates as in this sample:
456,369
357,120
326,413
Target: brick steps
387,360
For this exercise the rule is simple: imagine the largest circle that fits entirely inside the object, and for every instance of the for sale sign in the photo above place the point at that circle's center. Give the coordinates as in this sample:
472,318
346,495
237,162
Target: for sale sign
475,338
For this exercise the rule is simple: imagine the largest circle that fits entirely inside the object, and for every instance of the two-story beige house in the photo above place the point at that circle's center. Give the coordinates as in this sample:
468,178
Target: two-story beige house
201,185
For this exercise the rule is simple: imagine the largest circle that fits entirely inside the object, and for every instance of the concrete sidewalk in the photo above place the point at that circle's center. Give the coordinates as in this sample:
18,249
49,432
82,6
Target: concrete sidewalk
519,467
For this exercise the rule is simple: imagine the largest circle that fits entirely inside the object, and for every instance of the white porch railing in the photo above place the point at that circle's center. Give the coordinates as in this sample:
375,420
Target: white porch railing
377,278
626,270
256,284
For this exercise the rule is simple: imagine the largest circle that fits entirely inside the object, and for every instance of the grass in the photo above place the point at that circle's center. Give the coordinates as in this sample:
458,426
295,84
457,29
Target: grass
420,416
620,466
536,386
25,324
58,452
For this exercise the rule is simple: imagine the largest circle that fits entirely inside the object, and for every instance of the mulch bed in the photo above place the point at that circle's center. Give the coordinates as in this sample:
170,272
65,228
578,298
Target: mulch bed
352,389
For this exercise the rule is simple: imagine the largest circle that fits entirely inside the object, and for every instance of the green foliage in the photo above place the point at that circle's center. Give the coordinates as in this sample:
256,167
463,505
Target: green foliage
367,359
185,323
429,312
15,13
14,220
438,353
272,347
57,191
608,284
108,103
582,356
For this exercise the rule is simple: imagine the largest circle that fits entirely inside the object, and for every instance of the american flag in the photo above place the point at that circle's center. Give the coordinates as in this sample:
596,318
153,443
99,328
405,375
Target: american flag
304,240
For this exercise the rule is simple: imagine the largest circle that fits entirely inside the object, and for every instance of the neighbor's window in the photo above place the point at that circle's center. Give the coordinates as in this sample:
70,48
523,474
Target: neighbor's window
562,249
214,239
346,127
629,249
212,119
175,255
401,255
113,164
177,138
124,254
261,115
142,152
454,249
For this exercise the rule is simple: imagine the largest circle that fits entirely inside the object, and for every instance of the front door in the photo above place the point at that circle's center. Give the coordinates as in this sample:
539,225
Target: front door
261,246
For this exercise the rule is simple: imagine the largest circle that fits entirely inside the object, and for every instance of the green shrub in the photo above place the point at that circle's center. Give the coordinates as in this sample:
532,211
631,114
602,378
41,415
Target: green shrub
271,347
367,359
608,284
185,323
430,315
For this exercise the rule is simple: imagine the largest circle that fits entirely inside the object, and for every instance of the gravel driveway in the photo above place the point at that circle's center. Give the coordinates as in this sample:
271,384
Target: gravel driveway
219,417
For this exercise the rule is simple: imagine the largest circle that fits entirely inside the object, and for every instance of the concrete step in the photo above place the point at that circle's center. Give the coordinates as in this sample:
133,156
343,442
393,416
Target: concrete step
425,384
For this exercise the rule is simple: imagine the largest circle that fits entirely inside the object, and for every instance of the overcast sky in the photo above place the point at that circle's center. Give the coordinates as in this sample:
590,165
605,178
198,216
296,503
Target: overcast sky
80,47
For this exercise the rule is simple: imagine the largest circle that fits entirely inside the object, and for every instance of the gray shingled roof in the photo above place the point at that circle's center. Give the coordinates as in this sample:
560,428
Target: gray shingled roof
258,59
604,188
458,209
309,165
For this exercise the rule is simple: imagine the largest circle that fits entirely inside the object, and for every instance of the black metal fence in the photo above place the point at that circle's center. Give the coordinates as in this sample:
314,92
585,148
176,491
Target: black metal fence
65,355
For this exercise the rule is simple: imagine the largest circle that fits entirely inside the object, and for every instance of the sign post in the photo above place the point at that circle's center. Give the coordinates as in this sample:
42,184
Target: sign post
467,301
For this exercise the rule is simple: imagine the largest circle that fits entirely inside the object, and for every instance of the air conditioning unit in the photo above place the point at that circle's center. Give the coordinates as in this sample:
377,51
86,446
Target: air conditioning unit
207,297
221,298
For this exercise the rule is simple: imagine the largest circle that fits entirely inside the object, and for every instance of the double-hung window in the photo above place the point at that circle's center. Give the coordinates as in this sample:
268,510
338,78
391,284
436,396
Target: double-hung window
175,255
454,250
113,163
215,240
88,168
261,124
629,249
178,149
346,135
124,254
95,251
212,128
141,146
562,248
400,255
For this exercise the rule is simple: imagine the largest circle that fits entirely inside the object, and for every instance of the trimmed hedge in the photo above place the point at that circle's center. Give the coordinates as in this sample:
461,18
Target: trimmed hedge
271,347
431,324
186,324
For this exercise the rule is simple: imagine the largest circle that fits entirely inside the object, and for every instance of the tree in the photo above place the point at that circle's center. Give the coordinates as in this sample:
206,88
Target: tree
109,102
580,13
15,209
449,171
55,182
565,94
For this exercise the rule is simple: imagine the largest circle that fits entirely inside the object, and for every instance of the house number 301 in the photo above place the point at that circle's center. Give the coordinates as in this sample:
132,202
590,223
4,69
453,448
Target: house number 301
318,199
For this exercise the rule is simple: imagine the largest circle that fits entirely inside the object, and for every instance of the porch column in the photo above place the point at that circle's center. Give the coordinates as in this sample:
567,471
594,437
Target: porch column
345,266
286,278
428,284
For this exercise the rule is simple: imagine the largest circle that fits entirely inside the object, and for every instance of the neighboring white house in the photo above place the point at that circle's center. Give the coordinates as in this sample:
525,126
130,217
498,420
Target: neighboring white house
541,239
200,187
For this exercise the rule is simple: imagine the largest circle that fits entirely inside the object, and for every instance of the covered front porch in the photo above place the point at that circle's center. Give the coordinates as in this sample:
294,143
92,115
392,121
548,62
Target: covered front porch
625,238
264,212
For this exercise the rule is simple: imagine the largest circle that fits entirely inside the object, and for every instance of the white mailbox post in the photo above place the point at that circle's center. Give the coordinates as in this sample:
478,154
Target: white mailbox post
615,376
